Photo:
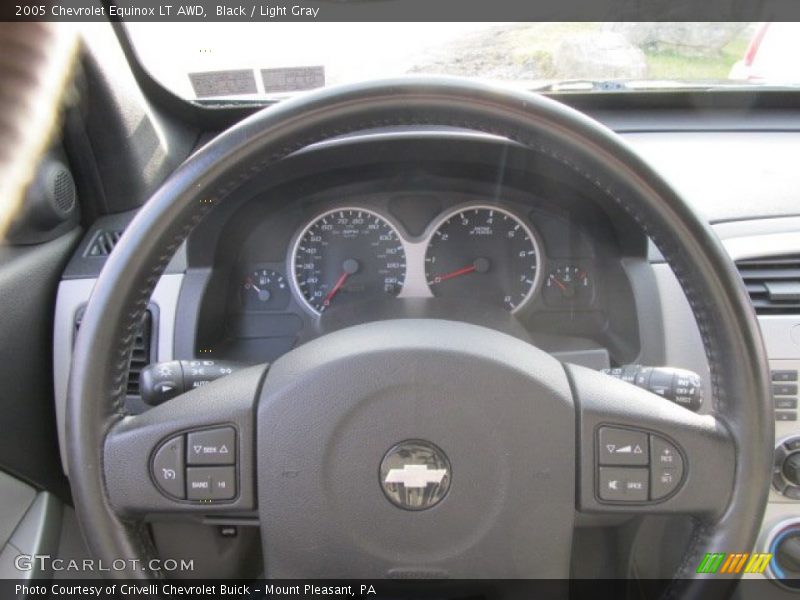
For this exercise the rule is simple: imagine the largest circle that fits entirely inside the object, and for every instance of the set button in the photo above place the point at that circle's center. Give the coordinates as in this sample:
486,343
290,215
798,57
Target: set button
636,466
666,468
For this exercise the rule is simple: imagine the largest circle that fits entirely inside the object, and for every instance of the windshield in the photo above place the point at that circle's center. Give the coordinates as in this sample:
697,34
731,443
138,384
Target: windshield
269,61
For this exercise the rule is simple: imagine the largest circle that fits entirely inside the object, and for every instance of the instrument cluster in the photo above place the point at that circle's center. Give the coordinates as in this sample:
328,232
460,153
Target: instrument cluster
480,253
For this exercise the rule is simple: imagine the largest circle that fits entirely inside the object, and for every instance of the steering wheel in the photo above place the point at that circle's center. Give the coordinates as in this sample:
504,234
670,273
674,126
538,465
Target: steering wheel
422,448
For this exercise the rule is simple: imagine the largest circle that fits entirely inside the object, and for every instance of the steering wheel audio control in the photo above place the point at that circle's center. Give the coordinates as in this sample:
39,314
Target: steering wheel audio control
197,465
786,468
636,466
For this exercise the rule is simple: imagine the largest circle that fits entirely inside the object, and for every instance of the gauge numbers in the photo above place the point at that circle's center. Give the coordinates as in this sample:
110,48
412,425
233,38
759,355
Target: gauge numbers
483,253
347,255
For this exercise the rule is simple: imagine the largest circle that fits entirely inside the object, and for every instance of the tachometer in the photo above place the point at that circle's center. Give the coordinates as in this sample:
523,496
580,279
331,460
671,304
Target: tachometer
483,253
347,255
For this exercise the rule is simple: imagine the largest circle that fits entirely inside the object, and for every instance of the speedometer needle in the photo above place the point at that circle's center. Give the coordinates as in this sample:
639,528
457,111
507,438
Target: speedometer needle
336,287
349,267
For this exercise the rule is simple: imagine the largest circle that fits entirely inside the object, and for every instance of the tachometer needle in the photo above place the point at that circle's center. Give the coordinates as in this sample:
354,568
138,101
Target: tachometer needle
481,265
457,273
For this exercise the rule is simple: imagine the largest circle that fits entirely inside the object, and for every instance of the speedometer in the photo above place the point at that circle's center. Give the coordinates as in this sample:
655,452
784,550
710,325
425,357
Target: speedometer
483,253
347,255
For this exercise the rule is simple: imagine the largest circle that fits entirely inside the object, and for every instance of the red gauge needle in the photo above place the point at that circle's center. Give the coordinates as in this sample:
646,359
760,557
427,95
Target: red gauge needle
559,284
481,265
452,274
336,287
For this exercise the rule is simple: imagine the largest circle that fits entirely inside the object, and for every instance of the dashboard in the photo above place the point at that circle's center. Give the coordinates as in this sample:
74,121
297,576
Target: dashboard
523,251
455,225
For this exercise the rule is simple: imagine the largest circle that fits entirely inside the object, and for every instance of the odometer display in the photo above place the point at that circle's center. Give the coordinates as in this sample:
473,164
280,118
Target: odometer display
483,253
347,255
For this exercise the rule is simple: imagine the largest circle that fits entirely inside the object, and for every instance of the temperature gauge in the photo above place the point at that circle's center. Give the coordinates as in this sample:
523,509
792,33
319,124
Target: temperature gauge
264,289
570,285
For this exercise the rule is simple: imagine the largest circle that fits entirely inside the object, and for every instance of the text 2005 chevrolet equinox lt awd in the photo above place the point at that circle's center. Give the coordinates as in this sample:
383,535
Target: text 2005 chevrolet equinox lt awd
442,310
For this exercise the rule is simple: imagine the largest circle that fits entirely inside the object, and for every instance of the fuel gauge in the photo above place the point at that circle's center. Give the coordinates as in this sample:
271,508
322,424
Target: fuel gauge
264,289
569,285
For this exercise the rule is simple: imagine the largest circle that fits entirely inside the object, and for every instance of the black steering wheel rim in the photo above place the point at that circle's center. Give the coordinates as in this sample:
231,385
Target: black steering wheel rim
719,302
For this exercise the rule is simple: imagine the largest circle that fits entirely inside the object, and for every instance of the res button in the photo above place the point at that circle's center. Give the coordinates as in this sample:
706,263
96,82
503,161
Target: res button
667,467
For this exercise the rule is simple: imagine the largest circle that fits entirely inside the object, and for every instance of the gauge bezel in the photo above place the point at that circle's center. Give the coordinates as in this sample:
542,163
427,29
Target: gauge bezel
294,284
248,269
440,220
567,303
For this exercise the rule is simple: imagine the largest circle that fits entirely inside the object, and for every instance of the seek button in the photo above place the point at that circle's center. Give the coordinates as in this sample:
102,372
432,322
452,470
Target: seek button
211,447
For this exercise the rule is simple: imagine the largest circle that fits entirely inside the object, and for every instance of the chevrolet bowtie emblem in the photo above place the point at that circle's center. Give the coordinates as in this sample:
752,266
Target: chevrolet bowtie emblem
415,476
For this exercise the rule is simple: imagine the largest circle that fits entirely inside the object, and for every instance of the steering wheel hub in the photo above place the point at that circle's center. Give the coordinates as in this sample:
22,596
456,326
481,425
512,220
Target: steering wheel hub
502,410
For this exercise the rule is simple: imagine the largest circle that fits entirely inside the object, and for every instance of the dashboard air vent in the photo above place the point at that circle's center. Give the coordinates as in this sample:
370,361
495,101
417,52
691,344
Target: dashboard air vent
773,283
103,243
142,350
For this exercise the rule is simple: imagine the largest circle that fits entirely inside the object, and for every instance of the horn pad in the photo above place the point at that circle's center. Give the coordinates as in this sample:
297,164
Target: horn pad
413,448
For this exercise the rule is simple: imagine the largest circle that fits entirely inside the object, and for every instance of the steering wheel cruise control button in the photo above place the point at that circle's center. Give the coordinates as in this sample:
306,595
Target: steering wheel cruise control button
211,483
667,467
168,468
622,447
211,447
624,485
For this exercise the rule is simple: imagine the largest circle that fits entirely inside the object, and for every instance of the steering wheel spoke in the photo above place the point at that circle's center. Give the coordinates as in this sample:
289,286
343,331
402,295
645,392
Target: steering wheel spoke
640,453
194,453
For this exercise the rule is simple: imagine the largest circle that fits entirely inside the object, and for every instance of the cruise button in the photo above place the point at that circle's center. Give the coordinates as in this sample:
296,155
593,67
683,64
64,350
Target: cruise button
168,468
667,467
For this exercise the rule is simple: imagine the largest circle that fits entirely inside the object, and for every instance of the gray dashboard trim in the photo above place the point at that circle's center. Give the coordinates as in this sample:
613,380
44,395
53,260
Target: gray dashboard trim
74,293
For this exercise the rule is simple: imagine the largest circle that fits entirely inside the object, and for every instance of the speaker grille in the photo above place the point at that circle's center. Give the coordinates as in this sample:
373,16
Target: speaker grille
64,191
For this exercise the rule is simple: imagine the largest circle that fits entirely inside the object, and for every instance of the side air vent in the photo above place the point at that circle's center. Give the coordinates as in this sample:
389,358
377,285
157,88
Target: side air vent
142,349
103,243
773,283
